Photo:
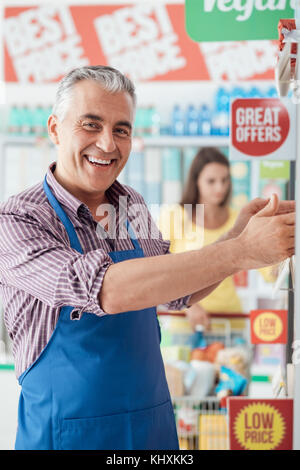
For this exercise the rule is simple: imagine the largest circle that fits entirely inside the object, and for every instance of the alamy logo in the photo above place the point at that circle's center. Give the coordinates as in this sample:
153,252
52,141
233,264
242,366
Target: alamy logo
245,8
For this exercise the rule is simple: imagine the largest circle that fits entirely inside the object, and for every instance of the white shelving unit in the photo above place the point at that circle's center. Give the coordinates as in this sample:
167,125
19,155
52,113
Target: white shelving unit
149,141
186,141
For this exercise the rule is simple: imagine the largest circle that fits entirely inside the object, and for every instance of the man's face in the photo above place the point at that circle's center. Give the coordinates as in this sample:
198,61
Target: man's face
94,139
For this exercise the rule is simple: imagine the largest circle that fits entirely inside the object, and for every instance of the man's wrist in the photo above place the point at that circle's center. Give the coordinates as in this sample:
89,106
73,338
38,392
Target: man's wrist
238,254
227,236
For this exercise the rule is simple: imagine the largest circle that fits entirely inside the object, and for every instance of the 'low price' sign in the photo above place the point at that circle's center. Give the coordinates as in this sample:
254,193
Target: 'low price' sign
263,128
268,326
260,424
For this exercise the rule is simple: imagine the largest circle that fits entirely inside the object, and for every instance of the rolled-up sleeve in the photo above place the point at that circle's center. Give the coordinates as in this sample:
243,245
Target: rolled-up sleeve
35,260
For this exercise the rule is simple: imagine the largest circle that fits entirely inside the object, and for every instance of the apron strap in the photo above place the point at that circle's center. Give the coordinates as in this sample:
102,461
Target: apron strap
74,240
132,235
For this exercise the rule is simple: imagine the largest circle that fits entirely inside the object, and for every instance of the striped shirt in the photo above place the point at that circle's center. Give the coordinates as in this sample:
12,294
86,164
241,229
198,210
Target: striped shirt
40,272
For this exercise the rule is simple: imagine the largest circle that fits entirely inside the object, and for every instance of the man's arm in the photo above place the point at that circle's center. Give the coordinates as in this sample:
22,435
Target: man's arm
37,260
244,216
144,282
141,283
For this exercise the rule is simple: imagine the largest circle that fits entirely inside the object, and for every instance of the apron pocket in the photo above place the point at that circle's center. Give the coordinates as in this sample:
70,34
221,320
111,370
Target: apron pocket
152,428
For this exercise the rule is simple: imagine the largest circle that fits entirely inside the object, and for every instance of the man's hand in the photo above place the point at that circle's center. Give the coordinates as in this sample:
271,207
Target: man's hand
252,208
198,316
269,236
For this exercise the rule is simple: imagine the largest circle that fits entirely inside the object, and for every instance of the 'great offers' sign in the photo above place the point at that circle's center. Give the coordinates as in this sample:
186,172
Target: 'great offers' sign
262,128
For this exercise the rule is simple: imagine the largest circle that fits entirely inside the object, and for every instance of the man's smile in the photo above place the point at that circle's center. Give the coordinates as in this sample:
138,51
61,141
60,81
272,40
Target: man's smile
99,162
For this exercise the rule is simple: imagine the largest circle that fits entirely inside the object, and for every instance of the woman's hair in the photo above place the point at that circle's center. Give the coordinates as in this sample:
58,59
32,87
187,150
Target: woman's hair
203,157
109,78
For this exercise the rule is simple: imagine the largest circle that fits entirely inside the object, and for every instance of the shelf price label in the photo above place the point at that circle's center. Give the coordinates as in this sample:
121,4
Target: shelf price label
260,424
268,326
263,128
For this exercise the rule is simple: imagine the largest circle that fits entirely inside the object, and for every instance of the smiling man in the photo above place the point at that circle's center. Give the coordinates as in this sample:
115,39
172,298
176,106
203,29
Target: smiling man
80,308
93,137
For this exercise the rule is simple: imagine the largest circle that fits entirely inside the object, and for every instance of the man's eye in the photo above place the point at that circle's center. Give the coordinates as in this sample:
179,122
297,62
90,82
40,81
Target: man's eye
90,125
122,131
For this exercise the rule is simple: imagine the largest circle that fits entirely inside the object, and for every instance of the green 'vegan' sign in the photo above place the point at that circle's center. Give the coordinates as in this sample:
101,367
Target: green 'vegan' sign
236,20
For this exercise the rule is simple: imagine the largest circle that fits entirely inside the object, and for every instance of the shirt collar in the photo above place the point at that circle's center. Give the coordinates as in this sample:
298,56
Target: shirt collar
75,205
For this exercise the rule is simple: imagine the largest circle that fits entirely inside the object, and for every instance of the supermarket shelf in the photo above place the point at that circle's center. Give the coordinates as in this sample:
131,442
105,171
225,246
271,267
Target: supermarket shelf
24,140
228,315
159,141
184,141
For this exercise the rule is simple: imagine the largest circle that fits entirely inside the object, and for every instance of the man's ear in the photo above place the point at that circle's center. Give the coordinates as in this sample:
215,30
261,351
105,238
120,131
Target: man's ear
52,129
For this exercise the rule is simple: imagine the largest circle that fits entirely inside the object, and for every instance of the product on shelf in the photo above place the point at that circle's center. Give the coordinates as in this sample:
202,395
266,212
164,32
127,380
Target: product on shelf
176,353
230,383
213,432
28,120
187,421
235,358
207,353
205,124
178,127
191,121
203,379
188,443
208,118
147,121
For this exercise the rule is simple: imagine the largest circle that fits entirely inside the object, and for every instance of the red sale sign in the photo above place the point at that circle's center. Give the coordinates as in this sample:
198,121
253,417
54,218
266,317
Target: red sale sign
268,326
146,41
260,424
262,128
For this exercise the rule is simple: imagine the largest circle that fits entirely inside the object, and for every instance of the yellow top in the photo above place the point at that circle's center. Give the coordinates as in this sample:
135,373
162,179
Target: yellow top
184,235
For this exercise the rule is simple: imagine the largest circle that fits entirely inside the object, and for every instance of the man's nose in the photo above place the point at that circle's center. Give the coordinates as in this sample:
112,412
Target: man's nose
106,141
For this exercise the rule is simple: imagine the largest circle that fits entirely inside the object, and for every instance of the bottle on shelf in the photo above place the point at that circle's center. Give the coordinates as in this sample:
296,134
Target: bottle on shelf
39,121
220,124
220,119
14,121
272,92
154,118
222,100
237,92
205,125
139,122
147,121
177,121
26,114
191,121
255,92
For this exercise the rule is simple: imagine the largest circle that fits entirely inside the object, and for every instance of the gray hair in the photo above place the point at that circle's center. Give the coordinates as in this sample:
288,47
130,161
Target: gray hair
109,78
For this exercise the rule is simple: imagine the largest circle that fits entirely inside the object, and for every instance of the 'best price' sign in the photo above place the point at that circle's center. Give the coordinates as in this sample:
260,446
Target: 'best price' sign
262,128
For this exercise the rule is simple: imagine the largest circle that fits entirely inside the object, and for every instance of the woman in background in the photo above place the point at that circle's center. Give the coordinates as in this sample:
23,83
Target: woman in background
208,184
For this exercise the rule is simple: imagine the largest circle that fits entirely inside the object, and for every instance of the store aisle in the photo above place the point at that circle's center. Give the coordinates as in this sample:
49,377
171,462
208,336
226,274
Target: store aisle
9,395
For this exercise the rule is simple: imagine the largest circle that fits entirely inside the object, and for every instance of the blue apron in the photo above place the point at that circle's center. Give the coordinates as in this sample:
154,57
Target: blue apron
100,381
